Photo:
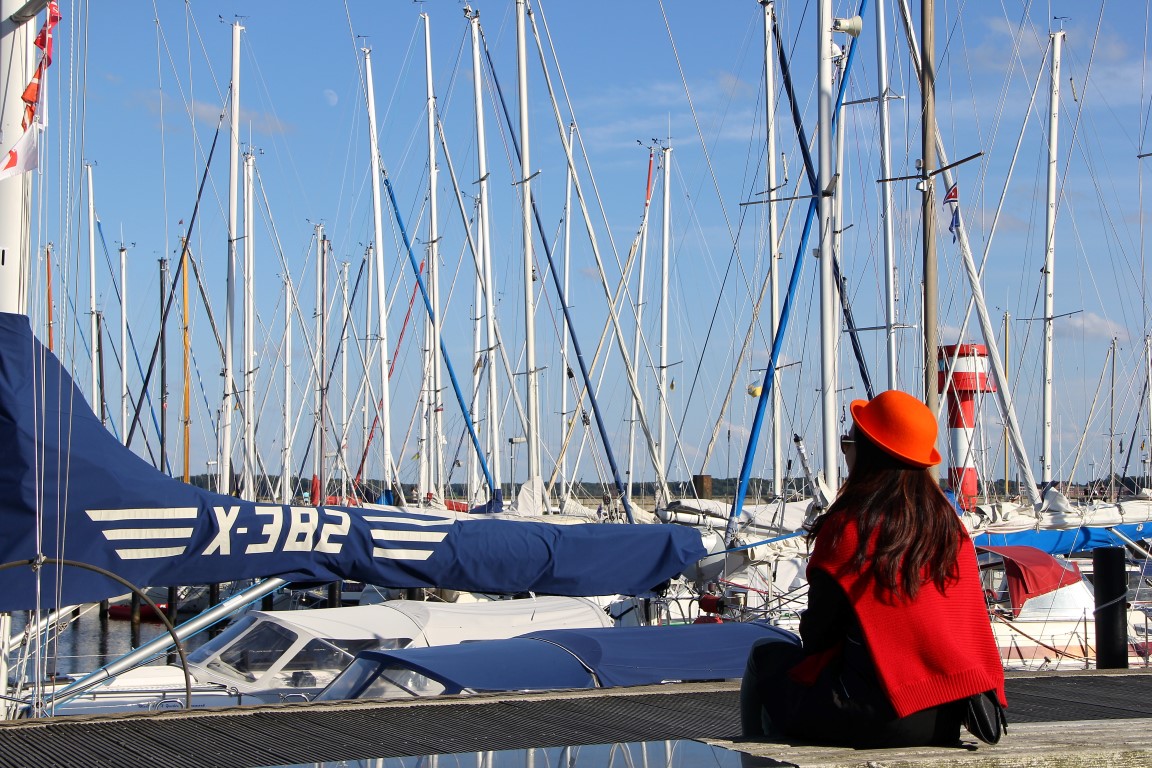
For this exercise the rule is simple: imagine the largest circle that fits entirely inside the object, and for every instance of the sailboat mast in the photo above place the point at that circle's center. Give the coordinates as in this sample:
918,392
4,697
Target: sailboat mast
249,331
186,345
318,367
124,341
882,83
665,264
435,409
381,286
928,210
286,414
15,191
564,484
639,313
224,479
773,236
1050,257
827,297
532,394
490,340
344,419
94,392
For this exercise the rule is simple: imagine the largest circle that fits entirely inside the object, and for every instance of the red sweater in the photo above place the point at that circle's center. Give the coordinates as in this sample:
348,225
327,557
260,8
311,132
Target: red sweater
933,649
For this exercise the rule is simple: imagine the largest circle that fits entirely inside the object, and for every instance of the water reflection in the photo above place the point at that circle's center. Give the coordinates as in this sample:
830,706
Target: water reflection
680,753
87,641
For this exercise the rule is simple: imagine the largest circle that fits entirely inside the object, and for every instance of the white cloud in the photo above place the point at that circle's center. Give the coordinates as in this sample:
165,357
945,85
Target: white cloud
1089,325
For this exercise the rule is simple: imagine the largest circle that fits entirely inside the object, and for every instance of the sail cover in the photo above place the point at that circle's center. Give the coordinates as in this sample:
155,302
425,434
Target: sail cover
72,492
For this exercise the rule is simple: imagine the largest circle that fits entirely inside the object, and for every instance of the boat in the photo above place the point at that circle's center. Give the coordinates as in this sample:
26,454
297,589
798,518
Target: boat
270,657
556,659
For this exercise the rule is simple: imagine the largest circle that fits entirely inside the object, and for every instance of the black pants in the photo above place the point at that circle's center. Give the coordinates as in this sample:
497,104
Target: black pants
846,705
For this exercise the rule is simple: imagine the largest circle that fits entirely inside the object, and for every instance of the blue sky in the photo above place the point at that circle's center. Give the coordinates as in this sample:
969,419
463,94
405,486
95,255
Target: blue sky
144,108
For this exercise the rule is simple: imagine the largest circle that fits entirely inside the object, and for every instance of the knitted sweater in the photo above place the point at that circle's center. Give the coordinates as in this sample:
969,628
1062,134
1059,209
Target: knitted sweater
933,649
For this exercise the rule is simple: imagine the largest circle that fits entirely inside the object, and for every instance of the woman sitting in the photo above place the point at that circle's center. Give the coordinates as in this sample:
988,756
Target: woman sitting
896,634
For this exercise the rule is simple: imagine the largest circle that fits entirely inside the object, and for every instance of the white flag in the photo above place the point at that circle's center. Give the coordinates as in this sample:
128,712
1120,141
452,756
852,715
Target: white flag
23,156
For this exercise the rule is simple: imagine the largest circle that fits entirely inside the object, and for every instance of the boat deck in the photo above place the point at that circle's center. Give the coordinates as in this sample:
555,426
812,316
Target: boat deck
1057,719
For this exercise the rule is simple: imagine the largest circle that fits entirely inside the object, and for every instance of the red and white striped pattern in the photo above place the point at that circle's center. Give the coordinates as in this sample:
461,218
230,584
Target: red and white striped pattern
969,378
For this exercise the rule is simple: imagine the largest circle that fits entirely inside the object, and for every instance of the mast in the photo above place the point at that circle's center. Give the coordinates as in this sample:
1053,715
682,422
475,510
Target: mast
286,416
344,420
435,411
882,83
249,331
490,340
224,481
824,189
639,311
1112,430
387,495
1050,257
318,367
124,342
665,264
928,211
94,392
774,259
565,486
531,399
163,369
186,344
15,191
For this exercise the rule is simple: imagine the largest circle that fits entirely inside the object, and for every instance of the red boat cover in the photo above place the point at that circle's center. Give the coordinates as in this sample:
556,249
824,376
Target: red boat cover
1033,572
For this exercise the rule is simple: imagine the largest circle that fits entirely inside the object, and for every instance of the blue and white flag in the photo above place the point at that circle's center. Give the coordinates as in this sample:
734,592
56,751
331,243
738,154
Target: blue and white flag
72,492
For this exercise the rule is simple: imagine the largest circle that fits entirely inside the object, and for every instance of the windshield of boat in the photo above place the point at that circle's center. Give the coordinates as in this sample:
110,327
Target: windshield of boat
254,652
225,638
398,682
319,662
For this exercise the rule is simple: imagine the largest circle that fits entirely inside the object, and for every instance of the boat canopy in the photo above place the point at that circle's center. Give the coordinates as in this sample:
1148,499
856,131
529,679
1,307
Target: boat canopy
1031,572
74,493
560,658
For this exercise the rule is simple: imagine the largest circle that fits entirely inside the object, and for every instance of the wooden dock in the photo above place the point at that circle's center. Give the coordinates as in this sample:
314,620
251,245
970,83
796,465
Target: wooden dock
1090,718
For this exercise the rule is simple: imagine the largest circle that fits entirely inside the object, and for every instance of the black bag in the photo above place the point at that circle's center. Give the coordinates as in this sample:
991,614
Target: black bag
984,717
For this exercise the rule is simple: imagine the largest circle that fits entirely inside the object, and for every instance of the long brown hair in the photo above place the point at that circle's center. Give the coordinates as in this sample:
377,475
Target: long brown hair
916,529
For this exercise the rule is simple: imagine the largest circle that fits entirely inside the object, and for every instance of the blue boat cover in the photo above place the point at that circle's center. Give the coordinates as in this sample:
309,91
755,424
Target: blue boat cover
1066,541
72,492
604,657
644,655
515,664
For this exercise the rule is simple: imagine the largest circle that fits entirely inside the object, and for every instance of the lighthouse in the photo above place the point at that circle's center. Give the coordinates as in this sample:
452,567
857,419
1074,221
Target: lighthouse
969,379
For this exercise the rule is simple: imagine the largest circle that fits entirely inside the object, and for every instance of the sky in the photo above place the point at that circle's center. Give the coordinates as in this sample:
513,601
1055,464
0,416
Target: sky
138,93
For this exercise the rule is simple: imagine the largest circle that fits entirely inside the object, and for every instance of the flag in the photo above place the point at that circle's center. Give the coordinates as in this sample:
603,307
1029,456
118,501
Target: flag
31,94
953,196
23,155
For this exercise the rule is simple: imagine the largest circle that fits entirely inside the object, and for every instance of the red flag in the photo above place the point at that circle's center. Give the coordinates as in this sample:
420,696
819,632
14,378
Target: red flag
953,195
315,495
31,95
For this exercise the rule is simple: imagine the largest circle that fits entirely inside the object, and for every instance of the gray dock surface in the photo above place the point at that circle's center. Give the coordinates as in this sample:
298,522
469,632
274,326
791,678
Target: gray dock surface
1089,718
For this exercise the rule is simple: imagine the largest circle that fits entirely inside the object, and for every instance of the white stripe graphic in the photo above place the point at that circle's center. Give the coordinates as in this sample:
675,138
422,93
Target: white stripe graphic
390,535
164,513
148,533
396,519
147,554
401,554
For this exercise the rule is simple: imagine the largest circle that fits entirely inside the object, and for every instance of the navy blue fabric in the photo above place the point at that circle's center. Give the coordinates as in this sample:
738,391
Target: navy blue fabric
516,664
102,505
569,658
621,656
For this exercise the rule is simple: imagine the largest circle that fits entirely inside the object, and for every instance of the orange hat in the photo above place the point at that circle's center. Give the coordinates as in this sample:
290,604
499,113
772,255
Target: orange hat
900,425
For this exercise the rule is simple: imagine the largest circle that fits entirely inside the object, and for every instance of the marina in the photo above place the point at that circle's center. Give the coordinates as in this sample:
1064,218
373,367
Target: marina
422,334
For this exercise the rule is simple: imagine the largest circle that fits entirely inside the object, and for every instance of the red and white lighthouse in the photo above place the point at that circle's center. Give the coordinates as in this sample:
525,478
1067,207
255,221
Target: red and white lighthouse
969,379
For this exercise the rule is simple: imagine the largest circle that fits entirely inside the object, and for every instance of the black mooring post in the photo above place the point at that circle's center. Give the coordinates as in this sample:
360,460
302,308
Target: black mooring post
1110,588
